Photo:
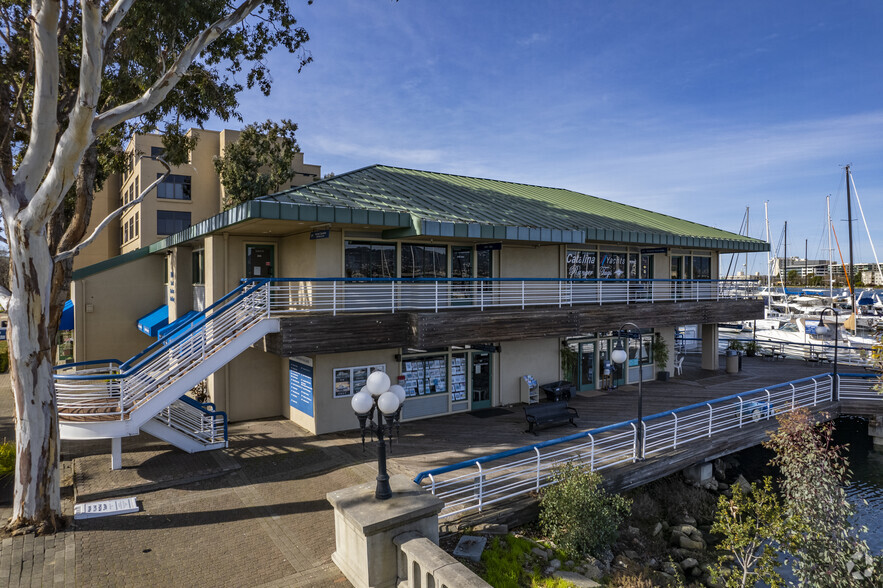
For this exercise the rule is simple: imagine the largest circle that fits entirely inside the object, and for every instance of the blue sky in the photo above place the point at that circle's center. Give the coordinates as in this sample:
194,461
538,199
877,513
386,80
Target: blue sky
694,109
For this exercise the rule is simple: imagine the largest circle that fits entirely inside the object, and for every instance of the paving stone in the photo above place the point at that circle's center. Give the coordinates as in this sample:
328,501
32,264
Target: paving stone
470,547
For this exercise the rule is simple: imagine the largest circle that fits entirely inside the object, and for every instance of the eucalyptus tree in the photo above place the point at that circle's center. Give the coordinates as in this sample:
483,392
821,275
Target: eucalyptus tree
75,79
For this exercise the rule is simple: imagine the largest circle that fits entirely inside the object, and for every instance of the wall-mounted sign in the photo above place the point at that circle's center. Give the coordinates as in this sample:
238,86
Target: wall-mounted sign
612,266
655,250
321,234
489,246
348,381
300,385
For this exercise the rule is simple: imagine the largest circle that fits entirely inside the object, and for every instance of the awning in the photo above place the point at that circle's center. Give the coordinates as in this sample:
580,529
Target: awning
150,324
180,322
67,317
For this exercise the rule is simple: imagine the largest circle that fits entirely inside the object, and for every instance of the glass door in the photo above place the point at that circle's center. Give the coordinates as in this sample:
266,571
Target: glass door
461,267
586,366
481,380
617,376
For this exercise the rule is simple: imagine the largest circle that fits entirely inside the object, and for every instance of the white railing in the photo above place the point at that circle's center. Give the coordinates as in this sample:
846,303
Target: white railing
476,484
858,387
199,421
388,295
87,392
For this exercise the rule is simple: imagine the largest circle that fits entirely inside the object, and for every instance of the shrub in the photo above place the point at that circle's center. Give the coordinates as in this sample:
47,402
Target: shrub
7,459
503,561
578,514
4,362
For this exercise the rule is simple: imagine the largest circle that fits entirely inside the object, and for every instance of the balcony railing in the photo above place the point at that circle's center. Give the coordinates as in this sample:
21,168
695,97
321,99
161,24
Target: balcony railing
338,295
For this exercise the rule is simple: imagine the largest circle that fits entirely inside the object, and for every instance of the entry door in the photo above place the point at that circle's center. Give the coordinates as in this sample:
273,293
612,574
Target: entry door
461,267
481,380
618,376
587,366
677,273
259,261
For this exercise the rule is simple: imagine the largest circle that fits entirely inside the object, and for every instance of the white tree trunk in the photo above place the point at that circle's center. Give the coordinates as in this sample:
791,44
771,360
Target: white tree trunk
37,492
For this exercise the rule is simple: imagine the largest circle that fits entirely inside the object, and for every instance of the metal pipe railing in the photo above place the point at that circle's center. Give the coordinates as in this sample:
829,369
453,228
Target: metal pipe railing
474,484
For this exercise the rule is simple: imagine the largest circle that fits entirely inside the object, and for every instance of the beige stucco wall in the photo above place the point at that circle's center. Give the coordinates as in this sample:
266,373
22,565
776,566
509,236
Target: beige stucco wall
107,307
520,261
256,389
336,414
107,242
537,357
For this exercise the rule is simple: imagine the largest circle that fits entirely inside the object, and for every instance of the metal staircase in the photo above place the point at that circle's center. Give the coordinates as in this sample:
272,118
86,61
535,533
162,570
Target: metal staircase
109,400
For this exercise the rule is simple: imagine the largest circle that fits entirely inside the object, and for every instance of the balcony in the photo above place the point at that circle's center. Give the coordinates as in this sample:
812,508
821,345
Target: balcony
333,315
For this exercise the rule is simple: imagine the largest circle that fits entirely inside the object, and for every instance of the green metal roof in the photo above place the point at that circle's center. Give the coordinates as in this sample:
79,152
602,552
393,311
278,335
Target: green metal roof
458,206
434,204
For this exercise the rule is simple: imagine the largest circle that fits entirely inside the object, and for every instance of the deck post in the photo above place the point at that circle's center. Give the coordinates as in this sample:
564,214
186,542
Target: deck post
116,453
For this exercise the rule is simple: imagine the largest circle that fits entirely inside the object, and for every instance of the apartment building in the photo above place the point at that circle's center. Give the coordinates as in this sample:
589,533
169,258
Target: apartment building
189,195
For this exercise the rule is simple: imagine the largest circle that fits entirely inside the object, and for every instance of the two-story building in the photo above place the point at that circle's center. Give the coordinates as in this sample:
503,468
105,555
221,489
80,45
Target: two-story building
457,287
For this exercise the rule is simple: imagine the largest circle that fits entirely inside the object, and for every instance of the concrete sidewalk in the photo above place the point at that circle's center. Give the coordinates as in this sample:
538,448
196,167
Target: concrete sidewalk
252,515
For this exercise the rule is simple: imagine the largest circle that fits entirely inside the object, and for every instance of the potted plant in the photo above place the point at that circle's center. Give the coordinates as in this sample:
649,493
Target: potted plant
660,357
734,347
751,348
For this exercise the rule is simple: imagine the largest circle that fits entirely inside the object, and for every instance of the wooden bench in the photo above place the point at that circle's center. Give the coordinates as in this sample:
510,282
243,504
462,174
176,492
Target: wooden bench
549,413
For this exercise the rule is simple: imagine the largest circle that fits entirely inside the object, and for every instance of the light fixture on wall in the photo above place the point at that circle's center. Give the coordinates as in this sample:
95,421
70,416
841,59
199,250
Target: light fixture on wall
378,396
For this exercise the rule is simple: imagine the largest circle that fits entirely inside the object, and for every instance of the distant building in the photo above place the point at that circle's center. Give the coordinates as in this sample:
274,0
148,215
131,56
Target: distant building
191,194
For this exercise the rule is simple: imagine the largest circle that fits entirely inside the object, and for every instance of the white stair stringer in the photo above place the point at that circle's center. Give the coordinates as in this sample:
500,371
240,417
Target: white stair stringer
219,356
180,439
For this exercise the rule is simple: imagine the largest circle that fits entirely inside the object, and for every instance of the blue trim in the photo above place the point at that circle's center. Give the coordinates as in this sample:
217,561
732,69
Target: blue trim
152,322
64,366
67,317
176,324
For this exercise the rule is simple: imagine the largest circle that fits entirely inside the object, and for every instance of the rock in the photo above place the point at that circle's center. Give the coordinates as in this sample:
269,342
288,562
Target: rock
491,529
575,579
671,568
555,564
696,572
631,554
743,484
691,544
626,563
634,531
541,553
686,529
470,547
675,538
657,529
549,571
697,535
719,469
569,564
722,486
690,563
592,572
688,520
709,484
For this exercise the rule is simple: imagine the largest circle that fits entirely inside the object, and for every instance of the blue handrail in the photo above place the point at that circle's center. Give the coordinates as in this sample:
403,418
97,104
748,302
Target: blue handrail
201,406
492,280
127,369
117,362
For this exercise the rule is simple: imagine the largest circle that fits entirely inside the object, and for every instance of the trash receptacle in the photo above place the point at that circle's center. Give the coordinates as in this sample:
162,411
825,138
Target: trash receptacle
733,363
560,390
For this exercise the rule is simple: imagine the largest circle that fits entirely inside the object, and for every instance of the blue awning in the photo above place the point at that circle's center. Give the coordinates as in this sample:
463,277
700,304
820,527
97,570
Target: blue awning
150,324
180,322
67,317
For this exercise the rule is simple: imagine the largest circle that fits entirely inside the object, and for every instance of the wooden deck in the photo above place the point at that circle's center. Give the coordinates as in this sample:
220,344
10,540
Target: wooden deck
432,443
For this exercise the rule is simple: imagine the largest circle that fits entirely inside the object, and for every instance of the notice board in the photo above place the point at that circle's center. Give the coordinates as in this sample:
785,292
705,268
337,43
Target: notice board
300,385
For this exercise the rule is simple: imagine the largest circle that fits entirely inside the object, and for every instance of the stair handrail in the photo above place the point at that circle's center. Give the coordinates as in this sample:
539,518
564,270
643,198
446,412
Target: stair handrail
209,412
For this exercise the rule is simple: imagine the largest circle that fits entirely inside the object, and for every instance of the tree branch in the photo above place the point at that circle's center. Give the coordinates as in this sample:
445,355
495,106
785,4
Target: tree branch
101,226
44,24
115,16
77,137
160,89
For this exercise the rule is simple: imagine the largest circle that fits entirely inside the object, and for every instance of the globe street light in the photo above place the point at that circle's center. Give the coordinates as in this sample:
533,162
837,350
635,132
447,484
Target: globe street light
823,329
387,400
619,356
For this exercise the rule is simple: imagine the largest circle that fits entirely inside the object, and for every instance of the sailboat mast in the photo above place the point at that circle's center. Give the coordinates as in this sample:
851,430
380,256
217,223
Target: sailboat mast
830,251
849,218
785,271
747,210
766,218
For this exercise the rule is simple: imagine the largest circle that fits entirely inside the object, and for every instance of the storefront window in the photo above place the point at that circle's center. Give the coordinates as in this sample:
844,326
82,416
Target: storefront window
613,266
582,265
424,261
701,268
370,260
425,375
646,352
458,377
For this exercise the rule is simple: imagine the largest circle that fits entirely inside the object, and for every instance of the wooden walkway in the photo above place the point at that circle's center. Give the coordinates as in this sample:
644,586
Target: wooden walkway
432,443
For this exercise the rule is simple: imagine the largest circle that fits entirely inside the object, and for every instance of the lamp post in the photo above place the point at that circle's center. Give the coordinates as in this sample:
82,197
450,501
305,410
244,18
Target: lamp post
387,400
823,329
619,356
